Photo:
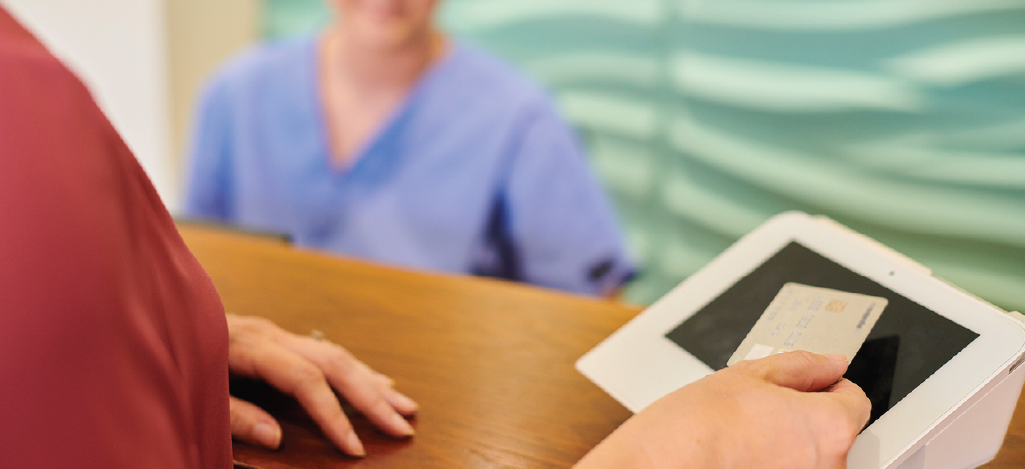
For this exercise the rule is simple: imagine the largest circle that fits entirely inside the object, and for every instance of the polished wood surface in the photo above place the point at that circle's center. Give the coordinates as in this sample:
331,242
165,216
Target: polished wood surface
490,362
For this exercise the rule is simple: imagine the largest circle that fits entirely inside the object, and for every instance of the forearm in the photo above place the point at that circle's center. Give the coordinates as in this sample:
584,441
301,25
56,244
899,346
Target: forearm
634,446
614,453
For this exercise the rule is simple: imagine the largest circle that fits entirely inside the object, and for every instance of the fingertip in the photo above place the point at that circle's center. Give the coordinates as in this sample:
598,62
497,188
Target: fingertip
354,447
267,435
404,404
840,361
253,425
401,426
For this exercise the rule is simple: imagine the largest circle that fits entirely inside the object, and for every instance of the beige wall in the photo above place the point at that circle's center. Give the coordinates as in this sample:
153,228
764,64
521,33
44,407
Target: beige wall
201,35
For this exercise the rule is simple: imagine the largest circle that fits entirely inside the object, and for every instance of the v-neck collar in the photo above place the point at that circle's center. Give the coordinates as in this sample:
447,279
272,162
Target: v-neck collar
387,125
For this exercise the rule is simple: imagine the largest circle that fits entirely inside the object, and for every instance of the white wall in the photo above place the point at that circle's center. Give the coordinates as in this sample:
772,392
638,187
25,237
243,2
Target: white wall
118,47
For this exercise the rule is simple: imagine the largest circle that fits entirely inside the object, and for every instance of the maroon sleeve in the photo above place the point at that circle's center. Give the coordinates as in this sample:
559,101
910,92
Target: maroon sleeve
113,342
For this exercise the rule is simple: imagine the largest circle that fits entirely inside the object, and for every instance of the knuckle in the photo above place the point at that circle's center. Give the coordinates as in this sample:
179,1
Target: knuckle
853,425
308,377
241,419
838,435
804,357
741,366
745,368
234,411
249,326
375,404
343,363
260,324
343,357
370,402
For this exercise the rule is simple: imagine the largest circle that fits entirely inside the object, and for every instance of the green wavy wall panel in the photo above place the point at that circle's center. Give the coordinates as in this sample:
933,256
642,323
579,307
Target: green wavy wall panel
904,119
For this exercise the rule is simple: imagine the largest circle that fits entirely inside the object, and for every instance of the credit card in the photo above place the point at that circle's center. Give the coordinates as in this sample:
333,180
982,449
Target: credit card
819,320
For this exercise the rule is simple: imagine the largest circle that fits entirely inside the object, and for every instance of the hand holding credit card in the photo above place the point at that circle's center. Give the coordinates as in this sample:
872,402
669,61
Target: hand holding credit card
819,320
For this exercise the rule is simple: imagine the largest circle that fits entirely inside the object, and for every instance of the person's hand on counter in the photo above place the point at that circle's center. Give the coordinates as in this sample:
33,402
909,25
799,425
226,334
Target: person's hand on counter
308,368
790,410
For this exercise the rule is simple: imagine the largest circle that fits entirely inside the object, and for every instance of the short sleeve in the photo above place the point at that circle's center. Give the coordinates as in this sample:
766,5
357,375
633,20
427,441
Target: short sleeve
562,226
209,186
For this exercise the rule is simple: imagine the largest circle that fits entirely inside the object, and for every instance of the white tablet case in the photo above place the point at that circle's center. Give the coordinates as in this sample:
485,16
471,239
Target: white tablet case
970,435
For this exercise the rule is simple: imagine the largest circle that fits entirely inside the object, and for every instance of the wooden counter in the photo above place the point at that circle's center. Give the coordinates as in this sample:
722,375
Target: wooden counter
490,362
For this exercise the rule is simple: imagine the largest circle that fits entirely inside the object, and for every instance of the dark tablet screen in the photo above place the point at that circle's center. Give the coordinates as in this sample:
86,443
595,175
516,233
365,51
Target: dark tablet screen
906,346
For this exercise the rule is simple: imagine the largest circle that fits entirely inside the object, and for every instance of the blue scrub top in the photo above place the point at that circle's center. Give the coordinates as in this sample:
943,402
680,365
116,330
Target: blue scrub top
473,173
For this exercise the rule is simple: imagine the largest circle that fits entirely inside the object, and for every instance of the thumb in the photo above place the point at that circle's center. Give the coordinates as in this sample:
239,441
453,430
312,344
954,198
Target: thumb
253,425
798,370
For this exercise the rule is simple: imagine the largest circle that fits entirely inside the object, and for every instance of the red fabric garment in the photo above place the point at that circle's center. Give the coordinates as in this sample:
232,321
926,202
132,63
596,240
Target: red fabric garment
113,341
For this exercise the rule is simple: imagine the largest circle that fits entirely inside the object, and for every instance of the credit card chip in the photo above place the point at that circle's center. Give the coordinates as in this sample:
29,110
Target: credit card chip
836,306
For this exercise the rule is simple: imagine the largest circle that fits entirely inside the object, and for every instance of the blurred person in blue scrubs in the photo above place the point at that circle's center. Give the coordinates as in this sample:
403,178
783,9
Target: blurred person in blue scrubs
386,139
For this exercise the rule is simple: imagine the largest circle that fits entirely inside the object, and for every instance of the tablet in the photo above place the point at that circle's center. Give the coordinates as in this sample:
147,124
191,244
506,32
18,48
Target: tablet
932,348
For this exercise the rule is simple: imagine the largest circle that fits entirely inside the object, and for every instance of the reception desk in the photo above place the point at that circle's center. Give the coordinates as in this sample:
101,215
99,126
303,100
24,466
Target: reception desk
490,362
